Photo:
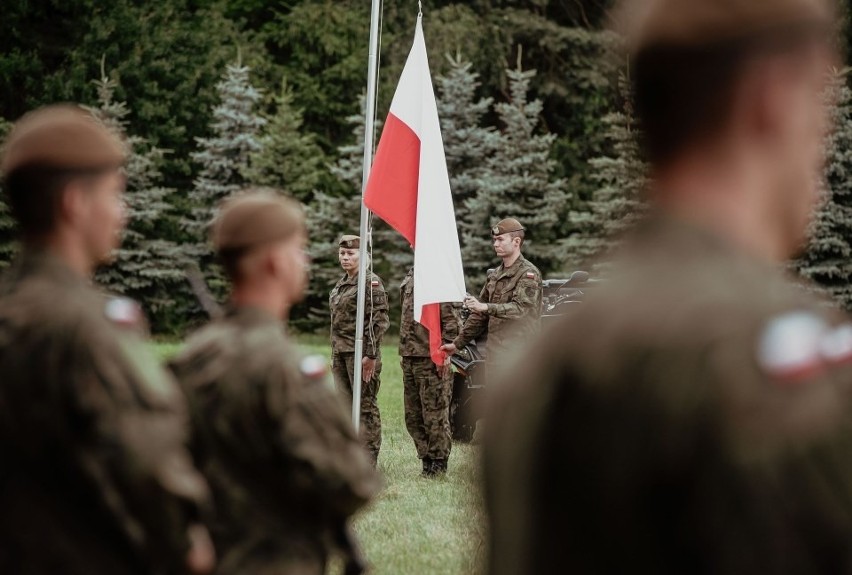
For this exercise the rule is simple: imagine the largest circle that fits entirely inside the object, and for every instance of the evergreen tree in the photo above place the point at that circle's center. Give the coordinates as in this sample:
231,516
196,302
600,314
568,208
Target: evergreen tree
519,183
147,266
616,204
332,215
467,144
288,159
828,258
224,156
7,222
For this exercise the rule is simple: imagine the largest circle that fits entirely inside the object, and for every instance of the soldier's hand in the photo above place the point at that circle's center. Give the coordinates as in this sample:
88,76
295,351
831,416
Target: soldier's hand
449,348
474,304
201,557
368,368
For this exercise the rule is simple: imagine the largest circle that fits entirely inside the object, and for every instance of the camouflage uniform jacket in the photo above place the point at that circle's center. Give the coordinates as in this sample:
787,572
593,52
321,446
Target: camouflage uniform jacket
694,415
94,477
272,438
513,296
343,303
413,337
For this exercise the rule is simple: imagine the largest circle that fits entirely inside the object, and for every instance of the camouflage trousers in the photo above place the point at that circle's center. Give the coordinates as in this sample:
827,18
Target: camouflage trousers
427,407
342,368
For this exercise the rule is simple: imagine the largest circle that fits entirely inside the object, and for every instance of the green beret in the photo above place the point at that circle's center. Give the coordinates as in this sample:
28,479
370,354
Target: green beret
507,226
350,242
256,217
61,136
648,23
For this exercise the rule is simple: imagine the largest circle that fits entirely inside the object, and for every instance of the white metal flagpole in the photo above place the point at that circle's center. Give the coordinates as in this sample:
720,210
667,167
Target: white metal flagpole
372,75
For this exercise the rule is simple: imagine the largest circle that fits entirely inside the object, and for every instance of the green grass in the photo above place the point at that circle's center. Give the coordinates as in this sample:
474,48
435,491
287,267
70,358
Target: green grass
417,526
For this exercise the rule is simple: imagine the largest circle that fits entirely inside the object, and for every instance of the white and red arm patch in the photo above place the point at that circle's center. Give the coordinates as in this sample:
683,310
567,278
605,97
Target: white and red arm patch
801,345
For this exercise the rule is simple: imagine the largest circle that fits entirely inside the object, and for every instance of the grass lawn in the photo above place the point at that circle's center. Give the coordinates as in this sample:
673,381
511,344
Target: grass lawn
417,526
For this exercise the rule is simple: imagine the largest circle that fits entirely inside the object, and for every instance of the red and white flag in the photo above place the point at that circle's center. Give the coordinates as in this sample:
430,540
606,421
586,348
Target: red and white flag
409,188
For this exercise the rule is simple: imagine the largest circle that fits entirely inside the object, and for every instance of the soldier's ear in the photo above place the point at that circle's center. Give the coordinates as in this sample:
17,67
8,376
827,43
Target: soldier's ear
73,201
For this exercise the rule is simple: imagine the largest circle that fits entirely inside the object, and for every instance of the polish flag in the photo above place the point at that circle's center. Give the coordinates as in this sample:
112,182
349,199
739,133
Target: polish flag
409,188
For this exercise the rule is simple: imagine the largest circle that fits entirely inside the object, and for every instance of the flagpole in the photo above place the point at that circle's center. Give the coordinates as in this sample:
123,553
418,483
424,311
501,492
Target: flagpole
370,120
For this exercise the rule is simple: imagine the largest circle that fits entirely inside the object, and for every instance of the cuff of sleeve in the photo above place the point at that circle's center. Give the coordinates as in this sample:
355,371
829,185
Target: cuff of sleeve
491,307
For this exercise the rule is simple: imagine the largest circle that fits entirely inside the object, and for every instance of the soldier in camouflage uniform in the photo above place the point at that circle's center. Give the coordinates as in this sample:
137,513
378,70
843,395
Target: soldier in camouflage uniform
343,303
271,435
428,388
694,416
509,306
94,475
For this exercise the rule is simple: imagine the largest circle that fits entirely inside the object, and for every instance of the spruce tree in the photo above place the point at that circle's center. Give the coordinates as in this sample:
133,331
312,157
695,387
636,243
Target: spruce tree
224,156
331,215
288,158
616,204
147,266
519,182
7,222
827,260
467,144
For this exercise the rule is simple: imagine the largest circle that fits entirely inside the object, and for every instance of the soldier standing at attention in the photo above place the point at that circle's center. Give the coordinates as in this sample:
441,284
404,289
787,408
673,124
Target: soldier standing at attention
273,440
509,306
694,416
428,388
94,475
343,303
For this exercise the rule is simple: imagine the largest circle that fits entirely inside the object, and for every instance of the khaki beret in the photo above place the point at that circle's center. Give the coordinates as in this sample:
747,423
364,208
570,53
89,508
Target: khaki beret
254,218
61,136
647,23
507,226
350,242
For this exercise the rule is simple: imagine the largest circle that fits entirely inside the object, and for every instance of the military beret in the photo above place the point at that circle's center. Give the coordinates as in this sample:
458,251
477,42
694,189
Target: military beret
688,23
61,136
255,217
507,226
350,242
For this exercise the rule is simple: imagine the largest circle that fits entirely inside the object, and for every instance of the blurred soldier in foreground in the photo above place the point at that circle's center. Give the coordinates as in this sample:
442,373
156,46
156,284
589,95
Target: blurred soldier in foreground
343,303
272,437
94,475
509,306
694,418
428,388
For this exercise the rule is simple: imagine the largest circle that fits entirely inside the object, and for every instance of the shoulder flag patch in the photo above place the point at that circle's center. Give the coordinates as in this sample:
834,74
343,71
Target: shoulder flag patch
531,275
313,366
124,312
789,349
374,283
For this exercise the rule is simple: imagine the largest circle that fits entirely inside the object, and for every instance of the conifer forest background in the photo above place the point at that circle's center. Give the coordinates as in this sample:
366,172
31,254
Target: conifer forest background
214,95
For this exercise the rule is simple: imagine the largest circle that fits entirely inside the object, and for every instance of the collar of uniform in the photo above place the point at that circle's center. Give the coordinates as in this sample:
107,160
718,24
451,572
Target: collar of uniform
514,266
43,262
347,279
669,237
251,315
